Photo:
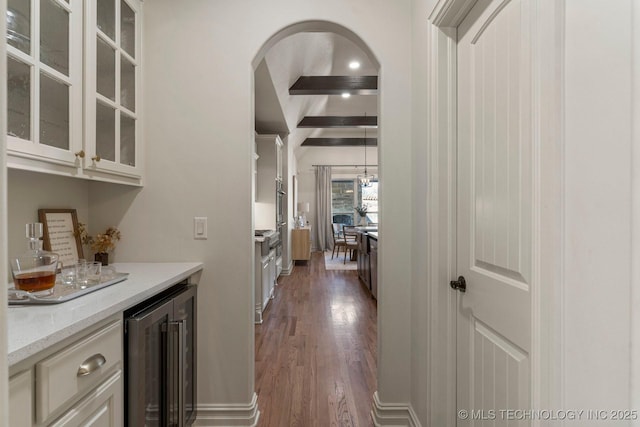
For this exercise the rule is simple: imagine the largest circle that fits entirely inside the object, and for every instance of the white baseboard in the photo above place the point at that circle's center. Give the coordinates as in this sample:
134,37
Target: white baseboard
247,415
238,414
393,414
287,271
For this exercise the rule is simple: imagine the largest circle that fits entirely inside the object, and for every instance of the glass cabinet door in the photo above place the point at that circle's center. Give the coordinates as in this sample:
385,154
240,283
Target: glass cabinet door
18,99
44,91
112,88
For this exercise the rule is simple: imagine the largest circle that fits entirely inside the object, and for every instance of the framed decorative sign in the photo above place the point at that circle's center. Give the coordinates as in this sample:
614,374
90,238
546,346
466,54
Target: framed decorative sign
60,234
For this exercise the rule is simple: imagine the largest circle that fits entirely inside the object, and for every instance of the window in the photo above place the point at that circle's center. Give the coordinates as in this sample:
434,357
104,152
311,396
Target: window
369,198
346,194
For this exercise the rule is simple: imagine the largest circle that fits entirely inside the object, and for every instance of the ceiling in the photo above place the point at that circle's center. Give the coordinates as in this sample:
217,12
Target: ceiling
311,54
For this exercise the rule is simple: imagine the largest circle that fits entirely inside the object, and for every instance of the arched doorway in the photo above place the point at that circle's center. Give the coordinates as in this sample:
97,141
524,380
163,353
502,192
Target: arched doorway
318,34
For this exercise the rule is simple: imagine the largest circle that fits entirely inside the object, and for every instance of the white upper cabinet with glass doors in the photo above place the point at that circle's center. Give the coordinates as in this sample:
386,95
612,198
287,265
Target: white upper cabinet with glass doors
112,89
52,127
44,84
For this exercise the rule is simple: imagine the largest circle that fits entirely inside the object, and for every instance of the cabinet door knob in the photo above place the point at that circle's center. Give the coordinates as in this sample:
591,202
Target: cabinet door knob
96,158
80,154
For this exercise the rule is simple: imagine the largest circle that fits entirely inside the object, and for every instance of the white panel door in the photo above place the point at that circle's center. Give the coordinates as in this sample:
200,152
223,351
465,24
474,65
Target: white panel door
495,211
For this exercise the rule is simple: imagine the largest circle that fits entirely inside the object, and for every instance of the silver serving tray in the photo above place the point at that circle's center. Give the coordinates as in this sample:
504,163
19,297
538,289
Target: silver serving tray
61,292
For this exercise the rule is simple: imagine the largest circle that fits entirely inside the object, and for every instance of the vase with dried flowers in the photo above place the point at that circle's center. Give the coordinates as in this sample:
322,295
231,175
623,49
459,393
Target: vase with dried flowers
101,244
362,211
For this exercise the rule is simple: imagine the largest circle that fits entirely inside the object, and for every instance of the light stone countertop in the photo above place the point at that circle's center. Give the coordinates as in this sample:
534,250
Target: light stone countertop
33,328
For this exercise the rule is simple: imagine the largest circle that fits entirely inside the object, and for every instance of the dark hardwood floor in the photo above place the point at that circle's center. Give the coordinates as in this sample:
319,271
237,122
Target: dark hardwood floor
316,350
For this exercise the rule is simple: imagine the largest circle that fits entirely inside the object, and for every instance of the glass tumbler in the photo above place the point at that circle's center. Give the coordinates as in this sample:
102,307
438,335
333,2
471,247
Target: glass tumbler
94,271
81,273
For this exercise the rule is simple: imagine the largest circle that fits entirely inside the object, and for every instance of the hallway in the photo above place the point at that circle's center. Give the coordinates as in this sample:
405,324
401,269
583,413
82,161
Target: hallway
316,350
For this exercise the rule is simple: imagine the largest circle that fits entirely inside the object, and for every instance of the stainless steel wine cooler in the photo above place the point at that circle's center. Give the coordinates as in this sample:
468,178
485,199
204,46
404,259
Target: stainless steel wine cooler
160,342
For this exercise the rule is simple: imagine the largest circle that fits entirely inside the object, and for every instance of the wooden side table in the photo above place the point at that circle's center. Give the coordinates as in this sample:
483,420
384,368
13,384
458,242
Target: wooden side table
301,244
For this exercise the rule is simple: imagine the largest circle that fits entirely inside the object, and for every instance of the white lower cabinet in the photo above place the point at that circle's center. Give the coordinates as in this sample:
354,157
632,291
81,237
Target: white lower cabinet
273,274
77,384
21,399
102,407
265,280
77,368
262,288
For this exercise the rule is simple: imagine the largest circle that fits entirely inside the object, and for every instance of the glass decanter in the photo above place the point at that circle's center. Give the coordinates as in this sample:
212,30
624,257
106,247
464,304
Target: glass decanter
34,270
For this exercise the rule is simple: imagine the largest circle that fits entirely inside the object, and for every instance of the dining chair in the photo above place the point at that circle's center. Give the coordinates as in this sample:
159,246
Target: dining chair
338,240
350,237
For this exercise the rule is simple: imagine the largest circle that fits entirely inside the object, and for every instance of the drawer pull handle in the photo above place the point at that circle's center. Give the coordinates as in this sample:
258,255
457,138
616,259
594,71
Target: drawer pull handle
91,364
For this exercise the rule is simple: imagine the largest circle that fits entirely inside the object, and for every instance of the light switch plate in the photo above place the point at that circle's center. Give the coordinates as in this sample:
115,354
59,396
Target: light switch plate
200,228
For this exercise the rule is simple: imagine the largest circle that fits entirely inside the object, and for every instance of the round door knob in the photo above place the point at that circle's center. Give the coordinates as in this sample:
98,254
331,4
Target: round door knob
80,154
96,158
459,285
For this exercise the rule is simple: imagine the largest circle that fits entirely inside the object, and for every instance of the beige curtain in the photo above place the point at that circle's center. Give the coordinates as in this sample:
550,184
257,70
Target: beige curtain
323,227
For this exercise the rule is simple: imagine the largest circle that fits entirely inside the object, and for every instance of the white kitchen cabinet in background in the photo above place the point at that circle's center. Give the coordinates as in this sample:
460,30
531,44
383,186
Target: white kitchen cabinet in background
269,166
273,275
268,174
265,281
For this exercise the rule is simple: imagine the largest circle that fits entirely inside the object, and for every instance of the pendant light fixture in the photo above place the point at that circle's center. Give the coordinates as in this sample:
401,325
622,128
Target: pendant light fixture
366,179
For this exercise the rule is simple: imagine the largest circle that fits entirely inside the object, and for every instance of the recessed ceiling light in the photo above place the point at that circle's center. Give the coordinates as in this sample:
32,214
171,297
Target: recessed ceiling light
354,65
346,94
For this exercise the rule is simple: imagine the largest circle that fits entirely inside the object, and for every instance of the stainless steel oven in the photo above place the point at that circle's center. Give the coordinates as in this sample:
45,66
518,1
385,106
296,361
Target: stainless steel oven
279,210
275,242
280,193
160,345
280,222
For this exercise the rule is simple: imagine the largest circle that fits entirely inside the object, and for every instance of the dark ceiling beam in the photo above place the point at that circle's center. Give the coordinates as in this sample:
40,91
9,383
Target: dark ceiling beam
335,85
339,142
338,122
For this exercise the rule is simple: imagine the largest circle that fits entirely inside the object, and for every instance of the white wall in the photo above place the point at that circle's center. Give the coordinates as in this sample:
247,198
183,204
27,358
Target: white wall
597,221
30,191
198,112
635,218
290,168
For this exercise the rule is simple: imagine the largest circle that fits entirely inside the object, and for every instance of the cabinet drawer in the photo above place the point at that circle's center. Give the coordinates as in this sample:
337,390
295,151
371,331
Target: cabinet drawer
76,369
